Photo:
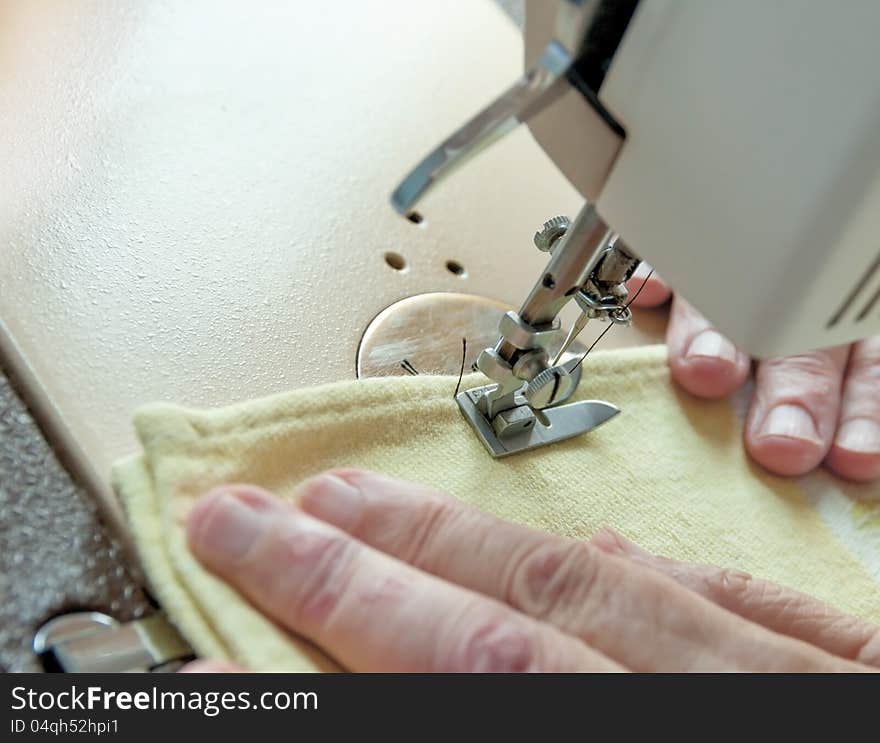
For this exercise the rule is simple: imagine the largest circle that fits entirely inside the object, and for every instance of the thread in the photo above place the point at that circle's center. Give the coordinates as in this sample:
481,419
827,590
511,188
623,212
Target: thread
461,371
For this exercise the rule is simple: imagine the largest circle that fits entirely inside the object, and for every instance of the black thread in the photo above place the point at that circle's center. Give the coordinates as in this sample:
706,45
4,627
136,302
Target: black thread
461,371
409,368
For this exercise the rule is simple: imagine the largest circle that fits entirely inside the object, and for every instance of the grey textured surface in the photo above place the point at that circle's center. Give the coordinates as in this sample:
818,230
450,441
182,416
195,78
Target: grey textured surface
55,554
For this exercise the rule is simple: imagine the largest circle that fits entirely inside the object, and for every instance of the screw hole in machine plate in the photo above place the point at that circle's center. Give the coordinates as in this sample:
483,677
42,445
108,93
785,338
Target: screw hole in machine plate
455,268
396,261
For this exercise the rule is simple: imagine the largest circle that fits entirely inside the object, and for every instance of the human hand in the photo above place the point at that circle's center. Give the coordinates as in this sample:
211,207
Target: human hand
385,575
809,409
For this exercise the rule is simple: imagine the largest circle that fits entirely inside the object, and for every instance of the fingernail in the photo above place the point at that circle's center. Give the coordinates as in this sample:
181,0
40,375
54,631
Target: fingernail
790,421
859,435
333,500
613,542
224,527
735,581
711,344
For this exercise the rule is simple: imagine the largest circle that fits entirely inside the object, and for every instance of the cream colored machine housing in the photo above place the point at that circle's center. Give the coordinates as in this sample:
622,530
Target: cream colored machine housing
750,171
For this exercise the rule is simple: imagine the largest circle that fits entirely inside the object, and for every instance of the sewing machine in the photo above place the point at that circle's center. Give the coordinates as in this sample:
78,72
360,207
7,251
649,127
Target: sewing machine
194,210
737,145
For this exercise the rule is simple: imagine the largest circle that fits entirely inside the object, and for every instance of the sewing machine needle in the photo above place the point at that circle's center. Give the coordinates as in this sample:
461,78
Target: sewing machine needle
575,331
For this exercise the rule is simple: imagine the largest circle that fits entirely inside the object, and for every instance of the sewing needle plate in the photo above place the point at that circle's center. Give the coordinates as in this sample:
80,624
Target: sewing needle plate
563,422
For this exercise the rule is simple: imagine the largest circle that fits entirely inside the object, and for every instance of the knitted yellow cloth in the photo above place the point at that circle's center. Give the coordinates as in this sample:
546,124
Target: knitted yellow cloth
669,472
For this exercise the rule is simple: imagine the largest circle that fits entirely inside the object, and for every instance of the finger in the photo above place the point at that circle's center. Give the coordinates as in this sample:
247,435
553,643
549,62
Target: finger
610,603
367,610
794,411
855,451
212,666
702,360
780,609
655,291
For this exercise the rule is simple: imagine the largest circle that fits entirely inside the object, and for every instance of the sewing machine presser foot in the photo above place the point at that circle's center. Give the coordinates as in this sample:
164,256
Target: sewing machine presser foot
522,428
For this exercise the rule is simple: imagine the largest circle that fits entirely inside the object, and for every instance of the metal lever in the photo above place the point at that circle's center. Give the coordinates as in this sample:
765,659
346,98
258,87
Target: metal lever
534,91
91,642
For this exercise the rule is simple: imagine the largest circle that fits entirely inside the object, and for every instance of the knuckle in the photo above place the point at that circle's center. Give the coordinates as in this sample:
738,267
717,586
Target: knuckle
313,570
555,577
869,349
432,514
866,368
815,373
497,645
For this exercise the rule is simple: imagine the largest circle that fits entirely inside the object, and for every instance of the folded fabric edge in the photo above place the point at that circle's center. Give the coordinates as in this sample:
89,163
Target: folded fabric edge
162,425
133,485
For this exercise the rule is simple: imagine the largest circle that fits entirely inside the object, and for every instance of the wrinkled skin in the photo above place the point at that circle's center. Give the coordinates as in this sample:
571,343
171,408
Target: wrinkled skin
385,575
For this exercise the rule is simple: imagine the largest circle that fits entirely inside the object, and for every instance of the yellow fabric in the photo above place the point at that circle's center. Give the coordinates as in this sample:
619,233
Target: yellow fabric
669,473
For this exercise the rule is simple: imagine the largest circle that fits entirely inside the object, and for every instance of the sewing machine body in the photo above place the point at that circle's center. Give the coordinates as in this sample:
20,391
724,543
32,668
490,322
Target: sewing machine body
750,173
